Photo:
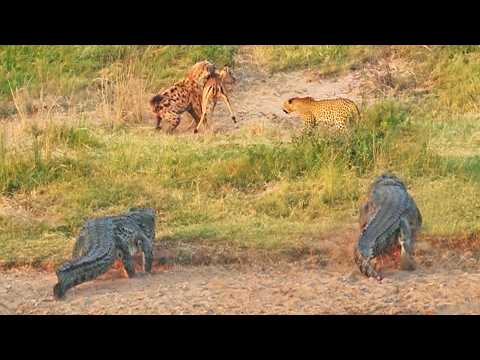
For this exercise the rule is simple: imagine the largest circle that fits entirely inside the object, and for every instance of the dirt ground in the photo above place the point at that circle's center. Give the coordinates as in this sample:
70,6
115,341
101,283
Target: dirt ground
444,283
281,289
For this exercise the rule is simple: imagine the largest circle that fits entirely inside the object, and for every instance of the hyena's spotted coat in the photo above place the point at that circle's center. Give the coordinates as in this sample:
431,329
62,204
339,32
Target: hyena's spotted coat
185,95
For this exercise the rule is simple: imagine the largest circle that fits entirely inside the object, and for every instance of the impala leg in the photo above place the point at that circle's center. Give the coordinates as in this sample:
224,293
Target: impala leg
225,98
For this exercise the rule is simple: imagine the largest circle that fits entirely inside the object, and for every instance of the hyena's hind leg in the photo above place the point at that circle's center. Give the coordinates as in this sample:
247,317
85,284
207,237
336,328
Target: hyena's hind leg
159,120
173,119
406,240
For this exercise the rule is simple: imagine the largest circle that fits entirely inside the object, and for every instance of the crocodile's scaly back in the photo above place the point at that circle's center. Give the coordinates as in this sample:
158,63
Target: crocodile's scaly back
389,216
391,202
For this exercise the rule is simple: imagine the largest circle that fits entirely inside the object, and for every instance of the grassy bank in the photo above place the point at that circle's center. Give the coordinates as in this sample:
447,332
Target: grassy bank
242,190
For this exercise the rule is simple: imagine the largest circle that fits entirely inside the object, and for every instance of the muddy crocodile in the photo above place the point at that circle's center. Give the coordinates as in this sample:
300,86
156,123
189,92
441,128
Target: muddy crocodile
390,218
103,240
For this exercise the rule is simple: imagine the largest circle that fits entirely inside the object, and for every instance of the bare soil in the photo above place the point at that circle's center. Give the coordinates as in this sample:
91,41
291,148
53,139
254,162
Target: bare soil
285,288
445,282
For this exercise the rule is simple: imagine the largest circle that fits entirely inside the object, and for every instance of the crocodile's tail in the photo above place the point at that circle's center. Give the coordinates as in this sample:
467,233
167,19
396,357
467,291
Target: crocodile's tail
98,259
82,270
365,266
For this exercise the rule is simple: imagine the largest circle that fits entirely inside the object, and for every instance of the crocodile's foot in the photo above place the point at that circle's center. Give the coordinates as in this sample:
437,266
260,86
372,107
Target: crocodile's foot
58,292
407,263
366,267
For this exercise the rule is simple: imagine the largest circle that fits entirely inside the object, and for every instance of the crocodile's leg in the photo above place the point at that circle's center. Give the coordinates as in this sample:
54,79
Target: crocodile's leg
406,243
146,247
364,215
365,266
79,247
127,260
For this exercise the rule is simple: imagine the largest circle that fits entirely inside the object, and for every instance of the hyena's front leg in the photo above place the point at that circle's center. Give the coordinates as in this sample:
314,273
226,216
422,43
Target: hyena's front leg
195,112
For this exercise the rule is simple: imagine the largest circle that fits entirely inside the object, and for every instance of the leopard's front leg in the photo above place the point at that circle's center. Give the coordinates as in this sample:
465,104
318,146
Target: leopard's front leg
309,124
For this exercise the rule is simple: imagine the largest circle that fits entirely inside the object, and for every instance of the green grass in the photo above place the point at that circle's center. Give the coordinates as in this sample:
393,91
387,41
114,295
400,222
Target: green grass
63,70
235,191
327,58
242,194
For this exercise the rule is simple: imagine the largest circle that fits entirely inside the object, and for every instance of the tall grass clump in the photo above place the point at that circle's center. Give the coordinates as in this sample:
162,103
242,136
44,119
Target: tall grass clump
118,71
365,147
43,153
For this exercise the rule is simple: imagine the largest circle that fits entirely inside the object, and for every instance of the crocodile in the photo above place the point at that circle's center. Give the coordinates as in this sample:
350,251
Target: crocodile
390,218
103,240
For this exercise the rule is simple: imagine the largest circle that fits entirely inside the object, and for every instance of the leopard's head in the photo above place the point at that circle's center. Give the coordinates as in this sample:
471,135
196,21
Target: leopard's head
201,70
296,104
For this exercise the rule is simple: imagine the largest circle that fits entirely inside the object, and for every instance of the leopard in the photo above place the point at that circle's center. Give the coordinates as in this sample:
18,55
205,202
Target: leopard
183,96
214,89
336,114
